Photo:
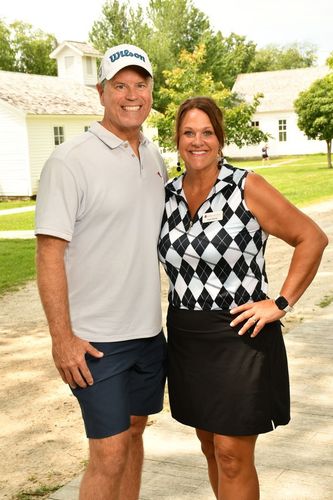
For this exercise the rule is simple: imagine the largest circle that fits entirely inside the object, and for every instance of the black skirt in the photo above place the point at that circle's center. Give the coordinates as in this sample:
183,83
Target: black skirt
222,382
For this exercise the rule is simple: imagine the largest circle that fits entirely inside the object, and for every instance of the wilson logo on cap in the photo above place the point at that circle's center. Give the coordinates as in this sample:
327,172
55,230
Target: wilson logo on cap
125,53
121,56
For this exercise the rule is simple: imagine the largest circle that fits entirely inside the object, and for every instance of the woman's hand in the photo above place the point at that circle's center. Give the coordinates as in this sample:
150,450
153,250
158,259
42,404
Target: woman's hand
256,315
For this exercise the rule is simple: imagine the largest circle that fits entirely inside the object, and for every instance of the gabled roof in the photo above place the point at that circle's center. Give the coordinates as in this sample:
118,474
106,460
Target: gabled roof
48,95
280,88
82,48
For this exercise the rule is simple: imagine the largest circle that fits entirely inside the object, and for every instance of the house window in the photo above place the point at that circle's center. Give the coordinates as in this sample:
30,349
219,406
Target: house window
59,136
69,62
89,66
255,124
282,130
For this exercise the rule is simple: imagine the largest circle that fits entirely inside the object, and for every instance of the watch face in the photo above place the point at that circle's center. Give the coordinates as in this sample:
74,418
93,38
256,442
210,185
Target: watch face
281,302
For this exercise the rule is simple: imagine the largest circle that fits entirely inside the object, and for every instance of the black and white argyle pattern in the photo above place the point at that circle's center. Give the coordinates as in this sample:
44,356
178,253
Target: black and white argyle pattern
213,264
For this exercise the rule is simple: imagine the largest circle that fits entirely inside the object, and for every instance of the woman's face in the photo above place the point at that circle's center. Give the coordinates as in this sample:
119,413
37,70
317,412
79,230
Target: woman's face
198,143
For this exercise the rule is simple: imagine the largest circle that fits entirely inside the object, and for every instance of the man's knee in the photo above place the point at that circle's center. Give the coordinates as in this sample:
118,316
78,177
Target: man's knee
138,425
109,455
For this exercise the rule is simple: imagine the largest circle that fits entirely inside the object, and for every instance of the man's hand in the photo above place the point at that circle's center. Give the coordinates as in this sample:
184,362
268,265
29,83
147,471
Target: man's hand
69,358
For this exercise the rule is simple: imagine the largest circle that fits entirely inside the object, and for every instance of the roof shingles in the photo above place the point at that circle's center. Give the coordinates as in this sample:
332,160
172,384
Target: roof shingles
280,88
48,95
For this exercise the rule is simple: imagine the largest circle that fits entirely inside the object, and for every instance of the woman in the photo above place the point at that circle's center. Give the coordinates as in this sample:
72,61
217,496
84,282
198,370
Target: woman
228,374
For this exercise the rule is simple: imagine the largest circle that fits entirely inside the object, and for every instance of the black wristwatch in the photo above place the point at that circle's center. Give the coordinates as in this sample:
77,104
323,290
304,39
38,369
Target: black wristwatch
283,304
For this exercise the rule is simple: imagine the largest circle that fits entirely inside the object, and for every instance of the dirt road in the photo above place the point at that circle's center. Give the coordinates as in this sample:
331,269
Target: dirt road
41,434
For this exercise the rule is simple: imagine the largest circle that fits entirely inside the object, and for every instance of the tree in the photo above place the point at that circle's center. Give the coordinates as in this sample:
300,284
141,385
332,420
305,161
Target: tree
26,49
181,22
32,48
329,60
113,26
228,56
314,107
7,54
293,56
188,80
163,30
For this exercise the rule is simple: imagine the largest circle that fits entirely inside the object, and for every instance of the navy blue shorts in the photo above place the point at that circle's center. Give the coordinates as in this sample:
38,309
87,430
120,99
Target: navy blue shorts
128,380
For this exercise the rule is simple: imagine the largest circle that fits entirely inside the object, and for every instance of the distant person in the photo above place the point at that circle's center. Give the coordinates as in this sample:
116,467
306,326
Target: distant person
99,210
228,373
264,153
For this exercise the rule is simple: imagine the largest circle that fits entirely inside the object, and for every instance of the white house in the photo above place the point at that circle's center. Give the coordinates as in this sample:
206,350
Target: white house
39,112
275,114
77,61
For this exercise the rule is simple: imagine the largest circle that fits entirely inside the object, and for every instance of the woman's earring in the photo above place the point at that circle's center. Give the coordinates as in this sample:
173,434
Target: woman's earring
220,160
179,168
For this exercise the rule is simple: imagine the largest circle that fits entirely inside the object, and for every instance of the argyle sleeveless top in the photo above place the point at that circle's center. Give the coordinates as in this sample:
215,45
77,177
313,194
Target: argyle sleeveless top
215,260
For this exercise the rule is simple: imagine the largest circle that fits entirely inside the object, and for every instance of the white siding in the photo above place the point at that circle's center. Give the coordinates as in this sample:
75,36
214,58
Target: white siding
41,139
14,155
89,70
78,70
296,143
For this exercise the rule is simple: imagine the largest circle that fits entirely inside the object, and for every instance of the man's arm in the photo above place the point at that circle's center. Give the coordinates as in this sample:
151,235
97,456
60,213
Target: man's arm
68,350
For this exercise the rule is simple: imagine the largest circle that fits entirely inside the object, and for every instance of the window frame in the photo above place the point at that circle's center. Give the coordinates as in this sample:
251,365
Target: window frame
58,134
283,130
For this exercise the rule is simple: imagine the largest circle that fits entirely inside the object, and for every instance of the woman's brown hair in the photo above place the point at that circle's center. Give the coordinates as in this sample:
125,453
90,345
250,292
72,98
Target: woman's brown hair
208,106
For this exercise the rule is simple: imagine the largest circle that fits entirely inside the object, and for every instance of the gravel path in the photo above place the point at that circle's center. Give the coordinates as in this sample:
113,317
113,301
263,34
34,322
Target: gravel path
41,433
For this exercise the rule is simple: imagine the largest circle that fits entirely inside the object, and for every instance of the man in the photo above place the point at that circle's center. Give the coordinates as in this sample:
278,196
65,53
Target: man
99,209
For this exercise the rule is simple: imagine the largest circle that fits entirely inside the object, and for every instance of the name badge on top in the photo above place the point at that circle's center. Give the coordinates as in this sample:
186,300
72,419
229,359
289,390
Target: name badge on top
212,216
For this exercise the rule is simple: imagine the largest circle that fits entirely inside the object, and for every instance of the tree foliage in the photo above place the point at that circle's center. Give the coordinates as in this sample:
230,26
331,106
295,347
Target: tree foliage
7,54
293,56
314,107
329,60
163,30
227,57
26,49
188,80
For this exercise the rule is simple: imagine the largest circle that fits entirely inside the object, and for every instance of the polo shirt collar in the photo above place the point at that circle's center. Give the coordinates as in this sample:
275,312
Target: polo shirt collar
225,178
110,139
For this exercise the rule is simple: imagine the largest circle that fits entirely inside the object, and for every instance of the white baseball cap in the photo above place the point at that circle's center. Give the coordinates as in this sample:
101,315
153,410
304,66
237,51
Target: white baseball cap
121,56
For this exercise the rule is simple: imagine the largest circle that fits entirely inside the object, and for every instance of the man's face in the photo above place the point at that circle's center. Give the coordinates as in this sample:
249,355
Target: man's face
127,99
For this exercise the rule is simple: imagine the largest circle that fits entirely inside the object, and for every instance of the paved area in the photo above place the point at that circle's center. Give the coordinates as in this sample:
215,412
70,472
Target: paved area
17,210
294,462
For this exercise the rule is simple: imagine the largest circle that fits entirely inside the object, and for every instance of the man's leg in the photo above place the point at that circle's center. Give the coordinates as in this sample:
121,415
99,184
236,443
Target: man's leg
106,467
115,465
131,480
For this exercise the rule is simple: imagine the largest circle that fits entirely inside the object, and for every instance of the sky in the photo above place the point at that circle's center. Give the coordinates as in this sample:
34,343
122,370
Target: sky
262,21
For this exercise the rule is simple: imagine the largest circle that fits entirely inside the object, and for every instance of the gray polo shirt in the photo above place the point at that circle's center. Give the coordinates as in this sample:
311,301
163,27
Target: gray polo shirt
96,194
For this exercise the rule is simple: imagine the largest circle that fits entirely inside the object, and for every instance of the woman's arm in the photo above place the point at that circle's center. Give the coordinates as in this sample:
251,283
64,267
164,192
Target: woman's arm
278,217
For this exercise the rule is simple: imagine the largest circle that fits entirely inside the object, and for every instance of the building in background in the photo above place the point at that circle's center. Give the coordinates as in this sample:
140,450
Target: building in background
275,114
39,112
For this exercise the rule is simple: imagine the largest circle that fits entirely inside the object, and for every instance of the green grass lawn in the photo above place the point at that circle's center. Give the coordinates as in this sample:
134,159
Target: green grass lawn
17,263
304,181
15,222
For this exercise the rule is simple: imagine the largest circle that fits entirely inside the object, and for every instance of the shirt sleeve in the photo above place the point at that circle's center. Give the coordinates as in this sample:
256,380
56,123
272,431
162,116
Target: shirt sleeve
57,203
